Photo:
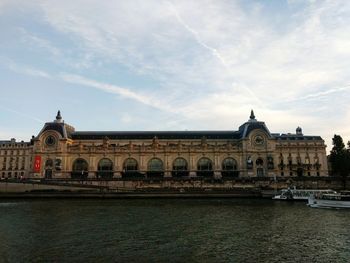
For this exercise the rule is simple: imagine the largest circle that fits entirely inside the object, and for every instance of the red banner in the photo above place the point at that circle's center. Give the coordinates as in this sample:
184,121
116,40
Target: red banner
37,164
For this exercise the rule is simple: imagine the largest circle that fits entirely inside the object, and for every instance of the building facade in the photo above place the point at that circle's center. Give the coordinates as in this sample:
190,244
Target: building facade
58,151
15,158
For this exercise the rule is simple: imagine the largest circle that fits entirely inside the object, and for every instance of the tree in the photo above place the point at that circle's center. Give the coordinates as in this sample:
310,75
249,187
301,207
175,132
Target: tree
340,158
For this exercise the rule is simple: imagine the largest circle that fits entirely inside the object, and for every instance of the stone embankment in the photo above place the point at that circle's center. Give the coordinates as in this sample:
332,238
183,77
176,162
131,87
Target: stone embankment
167,188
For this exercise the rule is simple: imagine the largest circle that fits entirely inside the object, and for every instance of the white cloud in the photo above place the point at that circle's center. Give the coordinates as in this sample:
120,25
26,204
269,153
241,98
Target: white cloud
38,42
27,70
212,60
124,92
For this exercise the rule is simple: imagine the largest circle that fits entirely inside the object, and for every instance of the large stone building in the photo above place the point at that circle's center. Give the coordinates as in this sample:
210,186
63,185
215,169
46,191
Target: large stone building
15,158
58,151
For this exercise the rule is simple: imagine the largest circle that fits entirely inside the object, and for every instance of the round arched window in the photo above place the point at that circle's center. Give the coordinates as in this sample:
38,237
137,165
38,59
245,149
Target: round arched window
229,167
155,168
180,167
204,167
105,168
131,169
259,161
155,165
80,169
130,164
49,163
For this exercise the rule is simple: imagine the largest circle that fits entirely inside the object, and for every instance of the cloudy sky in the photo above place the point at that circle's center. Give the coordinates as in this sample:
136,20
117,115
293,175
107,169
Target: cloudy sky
175,65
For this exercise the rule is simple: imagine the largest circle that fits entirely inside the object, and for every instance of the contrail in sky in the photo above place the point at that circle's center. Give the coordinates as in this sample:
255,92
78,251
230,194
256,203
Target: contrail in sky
114,89
22,114
214,51
322,93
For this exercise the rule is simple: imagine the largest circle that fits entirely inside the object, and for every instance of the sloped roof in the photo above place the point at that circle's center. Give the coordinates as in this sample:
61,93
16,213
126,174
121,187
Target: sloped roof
132,135
62,128
249,126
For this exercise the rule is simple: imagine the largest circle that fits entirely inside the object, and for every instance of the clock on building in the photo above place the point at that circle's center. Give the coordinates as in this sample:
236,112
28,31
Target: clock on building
50,140
258,140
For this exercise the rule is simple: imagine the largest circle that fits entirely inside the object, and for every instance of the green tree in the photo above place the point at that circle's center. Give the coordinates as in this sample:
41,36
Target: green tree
340,158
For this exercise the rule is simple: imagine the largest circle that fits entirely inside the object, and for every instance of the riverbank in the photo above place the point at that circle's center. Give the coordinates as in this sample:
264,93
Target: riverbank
163,188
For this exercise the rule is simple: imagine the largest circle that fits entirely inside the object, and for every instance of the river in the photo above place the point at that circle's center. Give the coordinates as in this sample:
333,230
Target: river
171,230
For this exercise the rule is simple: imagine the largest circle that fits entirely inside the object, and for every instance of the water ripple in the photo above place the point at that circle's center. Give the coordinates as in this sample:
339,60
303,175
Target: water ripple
237,230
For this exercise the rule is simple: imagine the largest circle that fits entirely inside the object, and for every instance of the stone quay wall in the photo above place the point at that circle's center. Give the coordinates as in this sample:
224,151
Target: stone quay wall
256,185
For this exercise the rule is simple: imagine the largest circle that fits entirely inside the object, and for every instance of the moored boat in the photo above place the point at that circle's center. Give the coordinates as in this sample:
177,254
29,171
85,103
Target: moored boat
338,200
293,194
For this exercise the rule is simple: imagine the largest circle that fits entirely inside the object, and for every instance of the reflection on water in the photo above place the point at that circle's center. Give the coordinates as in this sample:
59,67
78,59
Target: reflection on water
196,230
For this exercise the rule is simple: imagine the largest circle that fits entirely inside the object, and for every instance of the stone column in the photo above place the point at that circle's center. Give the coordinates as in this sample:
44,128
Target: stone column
92,167
193,166
118,166
167,172
142,164
217,173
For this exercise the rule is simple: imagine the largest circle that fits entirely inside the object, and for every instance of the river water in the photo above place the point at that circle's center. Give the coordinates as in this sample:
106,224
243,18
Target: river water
171,230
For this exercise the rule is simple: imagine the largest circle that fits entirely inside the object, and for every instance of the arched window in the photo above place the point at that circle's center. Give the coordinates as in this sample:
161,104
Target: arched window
180,167
130,168
259,161
49,163
80,169
260,169
270,164
155,168
48,168
105,168
204,167
229,168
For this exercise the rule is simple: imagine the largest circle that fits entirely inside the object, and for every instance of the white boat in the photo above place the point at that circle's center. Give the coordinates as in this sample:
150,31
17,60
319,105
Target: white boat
338,200
300,194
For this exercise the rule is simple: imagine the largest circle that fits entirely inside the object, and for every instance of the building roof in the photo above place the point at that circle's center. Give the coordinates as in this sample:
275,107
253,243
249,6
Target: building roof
67,131
297,137
59,126
134,135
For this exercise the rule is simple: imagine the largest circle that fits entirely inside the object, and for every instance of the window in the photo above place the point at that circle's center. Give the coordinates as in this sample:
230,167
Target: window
204,167
270,164
131,169
155,168
105,168
259,162
260,172
249,163
49,163
229,168
180,167
130,164
80,169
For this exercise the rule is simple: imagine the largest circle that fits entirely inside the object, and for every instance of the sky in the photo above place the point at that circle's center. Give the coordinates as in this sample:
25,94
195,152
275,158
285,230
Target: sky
175,65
